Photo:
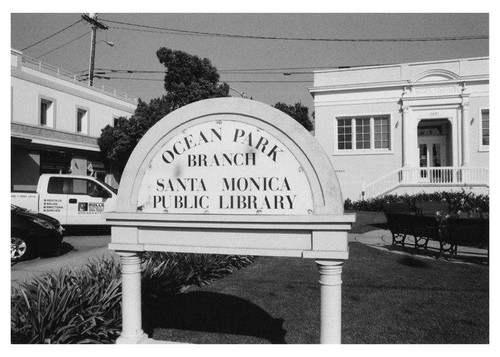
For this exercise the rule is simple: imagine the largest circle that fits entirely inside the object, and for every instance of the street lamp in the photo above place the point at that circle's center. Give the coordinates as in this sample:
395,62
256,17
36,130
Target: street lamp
92,59
109,43
243,95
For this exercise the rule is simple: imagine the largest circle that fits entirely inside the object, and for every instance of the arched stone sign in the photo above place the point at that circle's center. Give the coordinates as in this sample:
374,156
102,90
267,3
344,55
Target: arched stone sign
230,176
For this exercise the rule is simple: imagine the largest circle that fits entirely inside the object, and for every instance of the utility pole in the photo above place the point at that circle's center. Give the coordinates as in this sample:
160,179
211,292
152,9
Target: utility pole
92,19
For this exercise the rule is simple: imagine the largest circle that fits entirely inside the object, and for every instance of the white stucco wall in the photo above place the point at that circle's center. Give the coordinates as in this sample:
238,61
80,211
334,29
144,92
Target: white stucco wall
356,169
29,86
431,90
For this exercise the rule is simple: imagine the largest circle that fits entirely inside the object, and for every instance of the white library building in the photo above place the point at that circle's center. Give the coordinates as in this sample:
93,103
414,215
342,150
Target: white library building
405,128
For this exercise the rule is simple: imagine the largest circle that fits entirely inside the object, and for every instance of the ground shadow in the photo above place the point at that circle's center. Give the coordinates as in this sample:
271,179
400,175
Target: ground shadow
430,252
384,226
64,248
413,262
86,230
212,312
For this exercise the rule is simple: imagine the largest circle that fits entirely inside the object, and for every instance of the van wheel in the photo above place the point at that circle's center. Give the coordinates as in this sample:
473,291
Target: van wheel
20,248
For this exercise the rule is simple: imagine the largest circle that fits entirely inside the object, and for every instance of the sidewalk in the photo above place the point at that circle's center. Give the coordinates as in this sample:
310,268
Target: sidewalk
26,270
382,240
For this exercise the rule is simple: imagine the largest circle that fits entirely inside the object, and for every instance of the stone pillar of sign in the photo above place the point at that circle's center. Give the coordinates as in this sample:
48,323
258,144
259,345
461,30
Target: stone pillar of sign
330,279
131,299
465,133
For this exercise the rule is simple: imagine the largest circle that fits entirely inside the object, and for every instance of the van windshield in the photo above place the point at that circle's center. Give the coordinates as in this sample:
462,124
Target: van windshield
114,190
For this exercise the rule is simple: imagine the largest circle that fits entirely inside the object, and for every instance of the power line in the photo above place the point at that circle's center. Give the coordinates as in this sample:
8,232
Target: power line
153,31
64,44
161,80
277,81
237,70
46,38
215,34
222,72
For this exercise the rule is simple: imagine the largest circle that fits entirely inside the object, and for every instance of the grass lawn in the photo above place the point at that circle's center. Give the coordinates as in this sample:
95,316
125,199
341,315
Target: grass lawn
387,298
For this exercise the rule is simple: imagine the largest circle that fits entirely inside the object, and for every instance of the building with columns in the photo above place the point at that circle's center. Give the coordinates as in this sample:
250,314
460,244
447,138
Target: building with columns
405,128
56,118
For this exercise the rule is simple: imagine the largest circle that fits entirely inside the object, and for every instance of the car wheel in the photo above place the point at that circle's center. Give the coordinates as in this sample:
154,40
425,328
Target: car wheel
20,248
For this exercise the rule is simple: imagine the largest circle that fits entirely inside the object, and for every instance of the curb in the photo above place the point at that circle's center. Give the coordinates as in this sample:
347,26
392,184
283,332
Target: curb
382,240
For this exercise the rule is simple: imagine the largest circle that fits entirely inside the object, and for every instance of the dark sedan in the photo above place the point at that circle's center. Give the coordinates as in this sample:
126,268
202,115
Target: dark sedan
33,234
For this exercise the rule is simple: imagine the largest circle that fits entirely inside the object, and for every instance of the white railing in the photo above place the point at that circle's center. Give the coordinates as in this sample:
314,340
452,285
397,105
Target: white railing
428,176
382,185
36,64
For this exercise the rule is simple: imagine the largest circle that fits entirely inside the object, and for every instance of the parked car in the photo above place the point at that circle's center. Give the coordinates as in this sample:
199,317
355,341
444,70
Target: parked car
33,233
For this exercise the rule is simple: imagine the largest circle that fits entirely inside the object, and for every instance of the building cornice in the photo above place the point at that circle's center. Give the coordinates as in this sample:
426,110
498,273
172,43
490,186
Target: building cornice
396,65
396,84
53,137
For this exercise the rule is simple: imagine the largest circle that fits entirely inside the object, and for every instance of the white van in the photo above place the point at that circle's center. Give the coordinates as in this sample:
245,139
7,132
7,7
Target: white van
71,199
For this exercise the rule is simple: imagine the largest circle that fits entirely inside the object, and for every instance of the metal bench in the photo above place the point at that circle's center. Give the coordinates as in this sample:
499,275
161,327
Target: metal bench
464,231
400,221
422,225
425,228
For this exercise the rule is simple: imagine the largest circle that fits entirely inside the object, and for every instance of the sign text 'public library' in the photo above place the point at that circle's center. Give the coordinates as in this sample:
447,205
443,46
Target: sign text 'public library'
225,165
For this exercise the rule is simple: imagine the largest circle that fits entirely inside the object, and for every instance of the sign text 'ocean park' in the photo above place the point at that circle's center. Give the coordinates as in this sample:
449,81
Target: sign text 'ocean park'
225,167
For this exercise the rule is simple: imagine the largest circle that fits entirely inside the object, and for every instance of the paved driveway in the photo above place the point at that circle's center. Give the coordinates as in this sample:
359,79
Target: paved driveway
75,251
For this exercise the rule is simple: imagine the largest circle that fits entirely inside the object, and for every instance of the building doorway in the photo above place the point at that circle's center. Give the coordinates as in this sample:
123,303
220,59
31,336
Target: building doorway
434,149
434,143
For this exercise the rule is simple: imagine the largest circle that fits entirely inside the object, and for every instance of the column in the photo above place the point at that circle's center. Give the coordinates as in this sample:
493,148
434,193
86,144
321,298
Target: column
465,134
330,278
131,299
407,142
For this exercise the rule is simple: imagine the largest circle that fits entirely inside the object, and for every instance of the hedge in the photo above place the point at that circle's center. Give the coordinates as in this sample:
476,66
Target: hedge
458,202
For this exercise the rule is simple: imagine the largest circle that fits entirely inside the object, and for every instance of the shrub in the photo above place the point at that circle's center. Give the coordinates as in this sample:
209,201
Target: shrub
459,202
82,305
165,273
72,306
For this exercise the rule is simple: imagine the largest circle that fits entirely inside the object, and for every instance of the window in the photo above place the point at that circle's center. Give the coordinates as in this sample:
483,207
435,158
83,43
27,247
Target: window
370,132
362,133
56,185
64,185
81,121
381,126
116,121
485,127
344,134
46,113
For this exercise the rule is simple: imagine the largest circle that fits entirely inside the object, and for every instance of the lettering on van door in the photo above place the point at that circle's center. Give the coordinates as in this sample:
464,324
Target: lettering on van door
52,205
90,207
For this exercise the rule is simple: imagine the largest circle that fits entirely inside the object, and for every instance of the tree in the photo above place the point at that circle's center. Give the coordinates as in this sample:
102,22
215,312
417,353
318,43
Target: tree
298,112
188,79
117,143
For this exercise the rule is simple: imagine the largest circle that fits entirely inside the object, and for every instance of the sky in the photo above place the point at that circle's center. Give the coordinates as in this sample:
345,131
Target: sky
269,70
27,22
